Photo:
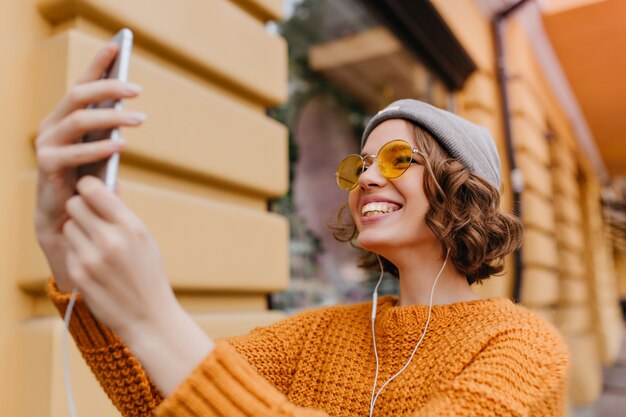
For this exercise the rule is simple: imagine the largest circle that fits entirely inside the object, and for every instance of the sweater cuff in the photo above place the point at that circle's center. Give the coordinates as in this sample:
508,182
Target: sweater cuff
225,384
87,331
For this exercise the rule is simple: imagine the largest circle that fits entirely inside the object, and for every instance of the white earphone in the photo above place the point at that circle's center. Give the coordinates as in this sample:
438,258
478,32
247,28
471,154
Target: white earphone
375,393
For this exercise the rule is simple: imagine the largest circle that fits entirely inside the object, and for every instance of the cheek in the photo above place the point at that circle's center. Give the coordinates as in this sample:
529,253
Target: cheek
353,199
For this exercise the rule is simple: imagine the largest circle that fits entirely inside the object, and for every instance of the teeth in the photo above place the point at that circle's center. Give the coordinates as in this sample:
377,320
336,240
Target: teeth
378,207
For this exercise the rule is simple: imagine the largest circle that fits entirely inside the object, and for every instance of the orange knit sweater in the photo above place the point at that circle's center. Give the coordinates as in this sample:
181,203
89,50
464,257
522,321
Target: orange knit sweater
481,358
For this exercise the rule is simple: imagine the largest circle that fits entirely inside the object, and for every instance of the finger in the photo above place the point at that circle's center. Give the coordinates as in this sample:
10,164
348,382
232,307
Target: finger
83,268
76,238
86,256
56,158
76,272
74,126
84,217
100,63
79,246
92,92
106,204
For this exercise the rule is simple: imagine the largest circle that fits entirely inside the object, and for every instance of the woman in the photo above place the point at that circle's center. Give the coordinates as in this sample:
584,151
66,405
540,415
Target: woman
423,195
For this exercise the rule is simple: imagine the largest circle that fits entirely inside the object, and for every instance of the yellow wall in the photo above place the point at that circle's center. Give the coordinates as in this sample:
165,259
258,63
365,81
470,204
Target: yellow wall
199,172
568,268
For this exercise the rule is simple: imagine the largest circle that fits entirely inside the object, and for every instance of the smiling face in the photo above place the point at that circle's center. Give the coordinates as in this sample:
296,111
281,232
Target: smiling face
390,214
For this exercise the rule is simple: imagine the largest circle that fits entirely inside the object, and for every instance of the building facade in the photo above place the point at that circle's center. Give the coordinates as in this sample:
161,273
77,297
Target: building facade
201,170
199,174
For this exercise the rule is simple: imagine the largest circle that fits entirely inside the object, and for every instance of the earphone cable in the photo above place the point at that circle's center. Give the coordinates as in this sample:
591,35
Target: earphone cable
430,306
374,307
66,363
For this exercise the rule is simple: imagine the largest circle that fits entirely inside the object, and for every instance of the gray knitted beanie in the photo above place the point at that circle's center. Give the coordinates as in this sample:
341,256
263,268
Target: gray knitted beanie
469,143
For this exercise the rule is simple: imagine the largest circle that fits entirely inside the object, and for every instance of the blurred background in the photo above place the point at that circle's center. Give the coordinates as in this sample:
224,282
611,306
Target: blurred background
252,104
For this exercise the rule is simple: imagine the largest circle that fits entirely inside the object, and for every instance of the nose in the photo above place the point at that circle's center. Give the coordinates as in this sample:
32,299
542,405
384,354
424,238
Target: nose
372,177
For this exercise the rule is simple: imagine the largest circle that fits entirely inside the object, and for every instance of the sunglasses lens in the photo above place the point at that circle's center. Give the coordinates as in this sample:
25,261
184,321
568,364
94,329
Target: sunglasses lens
394,158
349,171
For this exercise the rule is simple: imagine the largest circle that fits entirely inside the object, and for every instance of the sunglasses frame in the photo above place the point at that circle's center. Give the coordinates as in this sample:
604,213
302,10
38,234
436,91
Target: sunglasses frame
375,158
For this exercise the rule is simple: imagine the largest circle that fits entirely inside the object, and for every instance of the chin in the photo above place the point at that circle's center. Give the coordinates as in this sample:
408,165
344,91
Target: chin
376,242
388,242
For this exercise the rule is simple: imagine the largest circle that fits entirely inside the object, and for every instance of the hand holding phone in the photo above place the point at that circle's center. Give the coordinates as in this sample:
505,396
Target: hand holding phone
59,156
107,169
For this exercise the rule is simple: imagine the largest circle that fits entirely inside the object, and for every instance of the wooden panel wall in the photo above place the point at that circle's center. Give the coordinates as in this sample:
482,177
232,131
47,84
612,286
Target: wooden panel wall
199,172
540,280
608,322
559,282
574,316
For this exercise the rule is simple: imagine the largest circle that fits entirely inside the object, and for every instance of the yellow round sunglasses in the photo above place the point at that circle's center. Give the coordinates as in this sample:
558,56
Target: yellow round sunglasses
393,159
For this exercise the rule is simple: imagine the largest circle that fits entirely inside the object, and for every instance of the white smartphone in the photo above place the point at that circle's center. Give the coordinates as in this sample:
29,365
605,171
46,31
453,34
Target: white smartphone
106,169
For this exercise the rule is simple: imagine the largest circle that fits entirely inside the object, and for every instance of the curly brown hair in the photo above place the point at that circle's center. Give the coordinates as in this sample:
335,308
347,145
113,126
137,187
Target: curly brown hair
464,215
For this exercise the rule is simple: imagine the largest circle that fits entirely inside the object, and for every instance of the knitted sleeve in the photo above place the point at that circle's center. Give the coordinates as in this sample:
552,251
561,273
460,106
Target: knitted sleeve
226,385
251,373
247,376
511,376
120,374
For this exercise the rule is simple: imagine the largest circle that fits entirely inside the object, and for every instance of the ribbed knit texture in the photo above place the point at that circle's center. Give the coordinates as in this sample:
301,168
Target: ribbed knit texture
480,358
120,374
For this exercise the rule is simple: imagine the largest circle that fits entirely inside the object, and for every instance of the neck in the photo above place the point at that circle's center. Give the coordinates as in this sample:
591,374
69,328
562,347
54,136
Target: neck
418,273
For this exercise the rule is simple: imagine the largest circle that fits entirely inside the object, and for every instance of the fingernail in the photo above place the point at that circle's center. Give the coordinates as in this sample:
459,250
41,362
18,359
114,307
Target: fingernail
132,88
136,117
